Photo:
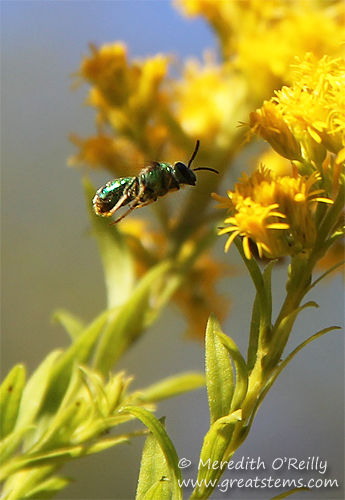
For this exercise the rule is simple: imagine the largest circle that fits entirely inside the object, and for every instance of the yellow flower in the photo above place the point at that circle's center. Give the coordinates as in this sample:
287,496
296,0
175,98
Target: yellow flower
269,124
251,222
316,102
259,201
307,119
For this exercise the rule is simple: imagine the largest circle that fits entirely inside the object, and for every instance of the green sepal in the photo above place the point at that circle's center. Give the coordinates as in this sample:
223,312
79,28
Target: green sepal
10,395
170,387
219,375
168,449
129,320
241,386
214,452
73,325
116,257
154,473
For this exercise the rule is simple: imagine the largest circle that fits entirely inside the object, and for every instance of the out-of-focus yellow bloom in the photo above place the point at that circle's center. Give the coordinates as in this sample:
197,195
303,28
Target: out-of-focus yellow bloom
266,35
279,165
126,94
257,204
207,101
116,154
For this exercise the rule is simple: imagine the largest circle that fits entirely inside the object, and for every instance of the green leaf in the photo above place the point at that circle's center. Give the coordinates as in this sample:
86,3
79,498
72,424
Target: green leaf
291,492
253,343
219,375
130,320
35,390
47,489
169,452
170,387
214,454
281,335
81,352
20,484
10,396
116,257
10,444
281,366
160,489
241,372
72,324
154,481
263,294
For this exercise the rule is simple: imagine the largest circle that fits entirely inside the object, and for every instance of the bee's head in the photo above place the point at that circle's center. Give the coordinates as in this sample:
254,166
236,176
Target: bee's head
184,174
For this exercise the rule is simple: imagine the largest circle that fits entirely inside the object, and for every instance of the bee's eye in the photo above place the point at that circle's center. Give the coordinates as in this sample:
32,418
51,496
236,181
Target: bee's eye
184,174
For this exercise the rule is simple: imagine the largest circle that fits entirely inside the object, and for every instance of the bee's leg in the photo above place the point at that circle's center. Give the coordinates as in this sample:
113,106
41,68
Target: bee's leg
136,204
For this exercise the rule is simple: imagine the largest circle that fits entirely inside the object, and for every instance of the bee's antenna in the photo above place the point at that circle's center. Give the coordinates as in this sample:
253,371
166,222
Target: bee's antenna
206,168
194,153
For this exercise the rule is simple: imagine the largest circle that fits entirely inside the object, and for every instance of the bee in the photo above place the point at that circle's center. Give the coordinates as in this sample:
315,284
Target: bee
153,182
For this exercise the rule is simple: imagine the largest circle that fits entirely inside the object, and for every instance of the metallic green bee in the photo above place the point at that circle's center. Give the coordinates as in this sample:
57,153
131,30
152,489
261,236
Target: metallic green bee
153,181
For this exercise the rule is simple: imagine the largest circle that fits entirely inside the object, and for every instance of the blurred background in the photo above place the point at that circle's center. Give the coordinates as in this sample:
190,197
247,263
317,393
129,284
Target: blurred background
49,260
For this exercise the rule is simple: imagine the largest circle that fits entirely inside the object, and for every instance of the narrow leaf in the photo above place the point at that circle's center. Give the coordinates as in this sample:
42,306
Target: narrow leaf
129,321
73,325
213,454
10,396
282,365
171,386
35,390
81,352
157,428
47,489
10,443
219,375
241,371
291,492
154,481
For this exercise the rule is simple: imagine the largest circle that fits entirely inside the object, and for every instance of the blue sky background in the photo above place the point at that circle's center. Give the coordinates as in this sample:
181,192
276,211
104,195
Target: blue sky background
49,260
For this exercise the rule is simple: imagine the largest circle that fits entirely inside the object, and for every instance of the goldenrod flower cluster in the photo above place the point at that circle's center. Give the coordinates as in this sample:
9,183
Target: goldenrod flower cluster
259,204
303,123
